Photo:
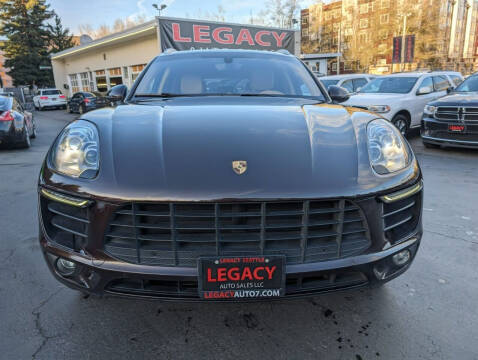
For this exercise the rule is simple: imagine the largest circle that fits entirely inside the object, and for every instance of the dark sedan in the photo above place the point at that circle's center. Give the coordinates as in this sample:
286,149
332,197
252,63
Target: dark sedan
17,125
453,120
229,175
82,102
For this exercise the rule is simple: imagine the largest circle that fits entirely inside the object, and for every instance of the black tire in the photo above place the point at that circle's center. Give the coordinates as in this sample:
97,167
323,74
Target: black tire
25,143
34,130
401,122
430,146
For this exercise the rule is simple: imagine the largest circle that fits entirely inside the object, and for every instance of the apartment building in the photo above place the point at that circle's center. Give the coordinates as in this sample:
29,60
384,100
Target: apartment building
438,33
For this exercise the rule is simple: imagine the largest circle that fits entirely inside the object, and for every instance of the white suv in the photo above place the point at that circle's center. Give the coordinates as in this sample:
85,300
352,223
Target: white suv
49,98
401,97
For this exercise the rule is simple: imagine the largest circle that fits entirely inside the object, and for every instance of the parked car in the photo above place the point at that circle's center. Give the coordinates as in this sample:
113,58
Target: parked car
49,98
84,101
401,98
17,125
268,189
453,120
351,82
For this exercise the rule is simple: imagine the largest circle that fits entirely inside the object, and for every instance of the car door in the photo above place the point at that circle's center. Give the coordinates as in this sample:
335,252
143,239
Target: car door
19,115
420,101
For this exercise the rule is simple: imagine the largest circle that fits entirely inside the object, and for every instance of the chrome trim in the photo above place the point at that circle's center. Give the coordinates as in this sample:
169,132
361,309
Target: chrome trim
402,194
64,199
449,140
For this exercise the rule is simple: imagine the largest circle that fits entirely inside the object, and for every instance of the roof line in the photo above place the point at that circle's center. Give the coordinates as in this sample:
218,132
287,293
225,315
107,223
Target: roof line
107,39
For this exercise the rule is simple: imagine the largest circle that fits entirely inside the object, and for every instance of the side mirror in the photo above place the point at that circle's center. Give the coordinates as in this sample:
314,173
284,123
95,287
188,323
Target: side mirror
424,90
450,89
118,93
338,94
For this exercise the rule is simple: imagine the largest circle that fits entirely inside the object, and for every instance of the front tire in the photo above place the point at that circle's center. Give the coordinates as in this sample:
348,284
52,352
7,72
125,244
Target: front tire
401,123
34,130
81,109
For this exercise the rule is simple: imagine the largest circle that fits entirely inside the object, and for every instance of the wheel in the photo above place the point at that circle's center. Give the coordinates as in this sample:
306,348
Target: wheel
401,122
25,143
68,109
430,146
81,109
34,130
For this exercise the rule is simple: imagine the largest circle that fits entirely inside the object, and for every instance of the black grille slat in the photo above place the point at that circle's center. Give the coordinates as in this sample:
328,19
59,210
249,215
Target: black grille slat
457,114
303,231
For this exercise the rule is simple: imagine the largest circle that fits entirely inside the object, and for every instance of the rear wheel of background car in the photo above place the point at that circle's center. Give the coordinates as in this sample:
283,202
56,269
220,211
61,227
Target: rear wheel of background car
25,143
401,122
68,109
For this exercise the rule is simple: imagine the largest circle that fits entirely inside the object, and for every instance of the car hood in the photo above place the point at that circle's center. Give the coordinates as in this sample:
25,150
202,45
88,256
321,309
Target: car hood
457,99
184,149
362,99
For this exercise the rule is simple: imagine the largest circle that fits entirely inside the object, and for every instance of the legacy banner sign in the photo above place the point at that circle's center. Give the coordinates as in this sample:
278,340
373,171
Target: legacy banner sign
183,34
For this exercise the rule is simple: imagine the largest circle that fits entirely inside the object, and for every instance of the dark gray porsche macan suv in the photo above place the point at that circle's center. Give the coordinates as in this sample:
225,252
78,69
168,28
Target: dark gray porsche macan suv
229,175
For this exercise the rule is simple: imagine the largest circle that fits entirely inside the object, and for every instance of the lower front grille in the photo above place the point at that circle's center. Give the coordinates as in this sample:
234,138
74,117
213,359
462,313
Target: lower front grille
457,114
65,225
295,285
176,234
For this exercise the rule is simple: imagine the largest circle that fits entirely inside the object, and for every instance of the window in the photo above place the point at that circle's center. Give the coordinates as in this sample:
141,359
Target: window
115,72
385,4
456,79
327,15
363,37
440,83
359,83
232,74
100,72
336,26
391,85
74,83
50,92
348,85
427,82
383,34
470,84
364,8
363,23
384,18
136,70
85,81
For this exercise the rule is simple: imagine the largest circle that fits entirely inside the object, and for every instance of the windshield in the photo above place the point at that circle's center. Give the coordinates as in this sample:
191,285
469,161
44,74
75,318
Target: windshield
327,83
469,85
228,74
4,104
390,85
50,92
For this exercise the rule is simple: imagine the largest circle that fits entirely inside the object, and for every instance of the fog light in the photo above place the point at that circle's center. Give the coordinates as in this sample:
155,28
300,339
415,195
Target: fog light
65,267
401,258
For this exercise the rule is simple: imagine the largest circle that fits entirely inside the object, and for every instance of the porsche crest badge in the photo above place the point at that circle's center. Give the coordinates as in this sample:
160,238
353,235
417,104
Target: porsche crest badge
239,166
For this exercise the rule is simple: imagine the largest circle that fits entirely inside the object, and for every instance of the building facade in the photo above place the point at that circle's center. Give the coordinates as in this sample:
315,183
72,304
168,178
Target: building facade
438,34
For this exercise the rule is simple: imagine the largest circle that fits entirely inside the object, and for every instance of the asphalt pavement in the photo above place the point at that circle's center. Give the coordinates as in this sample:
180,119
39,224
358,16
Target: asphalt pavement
430,312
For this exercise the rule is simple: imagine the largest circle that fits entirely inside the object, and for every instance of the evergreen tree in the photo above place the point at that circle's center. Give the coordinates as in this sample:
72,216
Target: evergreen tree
60,38
24,23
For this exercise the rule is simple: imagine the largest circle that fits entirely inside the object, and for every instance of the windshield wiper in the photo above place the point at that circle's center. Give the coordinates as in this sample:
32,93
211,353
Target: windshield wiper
161,95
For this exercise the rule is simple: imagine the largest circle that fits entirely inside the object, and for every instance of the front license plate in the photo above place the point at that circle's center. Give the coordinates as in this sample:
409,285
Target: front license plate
241,278
456,128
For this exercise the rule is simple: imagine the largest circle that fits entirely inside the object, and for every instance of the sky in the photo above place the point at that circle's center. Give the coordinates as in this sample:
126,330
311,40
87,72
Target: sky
98,12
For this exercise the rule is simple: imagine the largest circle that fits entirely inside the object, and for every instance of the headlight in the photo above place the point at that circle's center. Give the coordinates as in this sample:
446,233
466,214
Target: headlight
430,110
76,152
386,148
379,108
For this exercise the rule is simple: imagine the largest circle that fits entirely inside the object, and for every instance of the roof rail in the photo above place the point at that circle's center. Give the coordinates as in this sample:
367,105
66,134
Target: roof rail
168,51
283,52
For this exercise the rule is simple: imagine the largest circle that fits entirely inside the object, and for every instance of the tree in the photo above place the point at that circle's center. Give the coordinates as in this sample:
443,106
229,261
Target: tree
60,38
28,38
280,13
105,30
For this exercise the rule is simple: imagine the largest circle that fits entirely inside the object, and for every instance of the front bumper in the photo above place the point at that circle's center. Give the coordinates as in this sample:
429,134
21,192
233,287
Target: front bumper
436,132
99,273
